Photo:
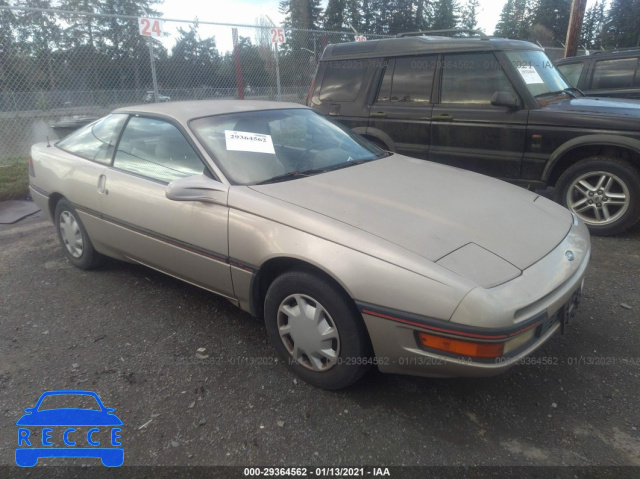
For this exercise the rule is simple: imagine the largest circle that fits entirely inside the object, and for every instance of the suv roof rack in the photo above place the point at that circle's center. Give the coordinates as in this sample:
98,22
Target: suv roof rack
617,50
451,31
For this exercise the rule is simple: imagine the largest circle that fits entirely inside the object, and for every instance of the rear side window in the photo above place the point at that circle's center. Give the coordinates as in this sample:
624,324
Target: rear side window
342,80
96,141
408,80
572,72
618,73
472,79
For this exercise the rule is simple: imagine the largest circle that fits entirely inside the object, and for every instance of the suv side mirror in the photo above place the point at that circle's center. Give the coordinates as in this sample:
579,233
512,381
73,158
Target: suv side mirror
197,188
504,98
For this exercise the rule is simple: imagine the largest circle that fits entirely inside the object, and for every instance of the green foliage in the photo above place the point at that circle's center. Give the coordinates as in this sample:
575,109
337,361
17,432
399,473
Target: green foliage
591,35
622,27
515,20
14,178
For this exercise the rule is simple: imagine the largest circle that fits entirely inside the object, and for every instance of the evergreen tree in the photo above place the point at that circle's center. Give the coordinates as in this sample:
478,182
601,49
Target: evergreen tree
334,16
469,15
550,20
622,27
403,17
7,24
445,15
514,20
592,26
38,34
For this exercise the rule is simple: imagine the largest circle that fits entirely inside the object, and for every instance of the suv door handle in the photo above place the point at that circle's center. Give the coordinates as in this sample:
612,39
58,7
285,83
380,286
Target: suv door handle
445,117
379,114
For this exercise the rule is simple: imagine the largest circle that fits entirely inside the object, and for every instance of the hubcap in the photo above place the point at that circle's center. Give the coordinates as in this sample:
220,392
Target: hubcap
308,332
71,234
598,198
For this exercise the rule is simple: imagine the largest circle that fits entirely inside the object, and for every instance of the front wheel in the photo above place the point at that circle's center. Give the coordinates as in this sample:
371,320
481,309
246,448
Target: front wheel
316,330
603,192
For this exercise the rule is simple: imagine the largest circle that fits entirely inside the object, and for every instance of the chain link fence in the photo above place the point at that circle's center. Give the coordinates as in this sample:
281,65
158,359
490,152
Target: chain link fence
61,68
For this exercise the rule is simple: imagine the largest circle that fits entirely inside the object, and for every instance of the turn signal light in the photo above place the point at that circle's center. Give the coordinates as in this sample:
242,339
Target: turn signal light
463,348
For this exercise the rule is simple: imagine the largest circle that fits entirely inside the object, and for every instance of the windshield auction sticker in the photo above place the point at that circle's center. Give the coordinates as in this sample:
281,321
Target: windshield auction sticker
530,75
245,141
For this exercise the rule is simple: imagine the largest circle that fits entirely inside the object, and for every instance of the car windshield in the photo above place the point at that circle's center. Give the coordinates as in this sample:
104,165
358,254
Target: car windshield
278,145
66,401
543,80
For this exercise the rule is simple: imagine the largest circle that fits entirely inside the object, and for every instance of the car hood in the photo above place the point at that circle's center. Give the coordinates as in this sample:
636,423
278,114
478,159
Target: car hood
433,210
598,106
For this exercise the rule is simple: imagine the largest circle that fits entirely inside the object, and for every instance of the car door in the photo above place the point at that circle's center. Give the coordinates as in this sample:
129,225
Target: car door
402,107
466,129
185,239
95,144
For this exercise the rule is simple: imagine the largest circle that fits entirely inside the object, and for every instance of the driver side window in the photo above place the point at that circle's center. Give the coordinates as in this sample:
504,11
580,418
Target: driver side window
157,150
472,80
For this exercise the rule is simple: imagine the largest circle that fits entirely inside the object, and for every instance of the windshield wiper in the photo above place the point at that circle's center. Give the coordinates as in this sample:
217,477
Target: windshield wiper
567,91
296,174
286,176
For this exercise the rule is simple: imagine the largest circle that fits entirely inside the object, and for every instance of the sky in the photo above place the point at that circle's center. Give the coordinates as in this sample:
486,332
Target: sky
247,12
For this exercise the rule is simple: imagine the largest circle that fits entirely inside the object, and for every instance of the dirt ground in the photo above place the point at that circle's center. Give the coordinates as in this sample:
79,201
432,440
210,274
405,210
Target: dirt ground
131,335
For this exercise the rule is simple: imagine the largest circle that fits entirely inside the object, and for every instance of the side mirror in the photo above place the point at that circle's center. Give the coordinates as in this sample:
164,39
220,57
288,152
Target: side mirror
504,98
197,188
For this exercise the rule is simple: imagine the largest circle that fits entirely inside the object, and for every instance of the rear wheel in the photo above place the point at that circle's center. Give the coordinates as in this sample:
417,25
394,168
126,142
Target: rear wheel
604,192
317,330
74,238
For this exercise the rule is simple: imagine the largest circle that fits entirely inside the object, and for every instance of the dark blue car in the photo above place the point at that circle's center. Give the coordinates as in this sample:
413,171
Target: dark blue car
73,444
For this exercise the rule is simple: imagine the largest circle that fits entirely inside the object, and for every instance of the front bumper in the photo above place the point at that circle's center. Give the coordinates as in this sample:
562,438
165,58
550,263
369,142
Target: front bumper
528,311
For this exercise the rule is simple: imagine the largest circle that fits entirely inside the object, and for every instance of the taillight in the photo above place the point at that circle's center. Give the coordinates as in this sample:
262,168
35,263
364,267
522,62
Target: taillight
32,171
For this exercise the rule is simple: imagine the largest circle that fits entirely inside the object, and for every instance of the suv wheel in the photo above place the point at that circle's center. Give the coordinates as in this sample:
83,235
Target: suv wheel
602,191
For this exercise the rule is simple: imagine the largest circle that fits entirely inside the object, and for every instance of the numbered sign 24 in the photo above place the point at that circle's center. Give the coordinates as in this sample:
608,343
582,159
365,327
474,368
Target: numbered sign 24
150,27
277,35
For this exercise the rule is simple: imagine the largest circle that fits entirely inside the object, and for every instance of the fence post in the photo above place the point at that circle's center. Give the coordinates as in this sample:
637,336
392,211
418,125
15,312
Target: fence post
238,64
153,70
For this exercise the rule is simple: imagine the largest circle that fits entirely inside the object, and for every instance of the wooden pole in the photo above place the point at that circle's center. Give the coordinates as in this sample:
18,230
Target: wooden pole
578,8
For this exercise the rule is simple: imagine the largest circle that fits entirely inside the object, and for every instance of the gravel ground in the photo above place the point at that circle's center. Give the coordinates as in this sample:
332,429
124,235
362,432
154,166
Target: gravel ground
131,334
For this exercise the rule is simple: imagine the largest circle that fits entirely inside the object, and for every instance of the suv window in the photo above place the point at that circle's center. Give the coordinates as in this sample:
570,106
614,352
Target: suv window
617,73
472,79
342,80
95,141
572,72
408,80
157,150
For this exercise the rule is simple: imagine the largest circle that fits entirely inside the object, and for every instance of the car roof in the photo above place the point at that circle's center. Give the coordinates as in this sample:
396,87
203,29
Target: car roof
184,111
420,44
635,52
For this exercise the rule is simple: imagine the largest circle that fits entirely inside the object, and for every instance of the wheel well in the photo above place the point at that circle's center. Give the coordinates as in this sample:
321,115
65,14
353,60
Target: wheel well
574,156
273,268
53,202
377,141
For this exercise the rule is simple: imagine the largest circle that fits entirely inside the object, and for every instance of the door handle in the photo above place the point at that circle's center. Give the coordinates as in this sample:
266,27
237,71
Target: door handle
102,185
378,114
445,117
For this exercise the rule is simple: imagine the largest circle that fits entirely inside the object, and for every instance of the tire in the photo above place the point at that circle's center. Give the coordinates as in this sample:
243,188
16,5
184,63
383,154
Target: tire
74,238
602,191
334,359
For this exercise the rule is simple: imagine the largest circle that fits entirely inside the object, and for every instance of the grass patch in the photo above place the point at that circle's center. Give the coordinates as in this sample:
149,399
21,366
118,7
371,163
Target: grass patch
14,178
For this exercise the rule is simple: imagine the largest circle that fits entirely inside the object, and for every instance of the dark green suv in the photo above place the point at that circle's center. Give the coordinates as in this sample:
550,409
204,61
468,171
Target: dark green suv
494,106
